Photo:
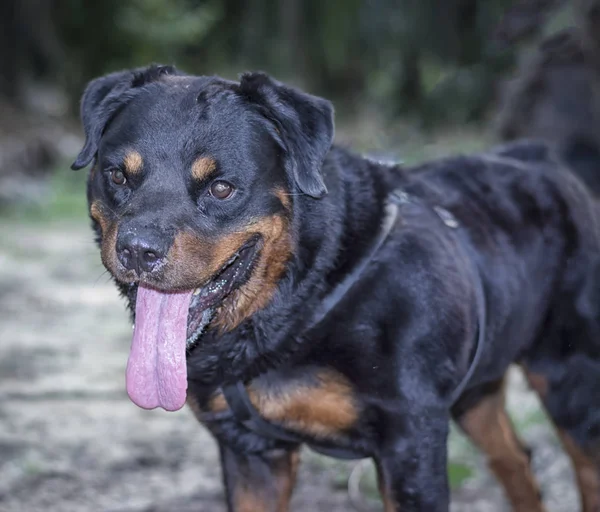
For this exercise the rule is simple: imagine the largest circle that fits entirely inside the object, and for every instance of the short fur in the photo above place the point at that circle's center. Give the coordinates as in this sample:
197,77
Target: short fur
376,375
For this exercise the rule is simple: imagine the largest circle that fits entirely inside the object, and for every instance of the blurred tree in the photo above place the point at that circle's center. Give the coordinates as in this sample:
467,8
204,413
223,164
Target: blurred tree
29,46
434,59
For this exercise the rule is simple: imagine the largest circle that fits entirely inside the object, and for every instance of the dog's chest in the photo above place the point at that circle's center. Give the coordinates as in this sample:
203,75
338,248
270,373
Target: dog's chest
315,403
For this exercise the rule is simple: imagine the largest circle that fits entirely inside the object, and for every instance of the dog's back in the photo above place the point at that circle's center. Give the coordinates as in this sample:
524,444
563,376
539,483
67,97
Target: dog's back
533,225
534,228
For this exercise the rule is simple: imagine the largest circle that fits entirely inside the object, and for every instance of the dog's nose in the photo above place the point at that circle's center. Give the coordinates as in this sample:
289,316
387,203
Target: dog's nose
141,252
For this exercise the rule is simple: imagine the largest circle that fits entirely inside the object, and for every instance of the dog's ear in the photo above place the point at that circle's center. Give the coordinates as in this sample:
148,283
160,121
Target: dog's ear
303,127
102,99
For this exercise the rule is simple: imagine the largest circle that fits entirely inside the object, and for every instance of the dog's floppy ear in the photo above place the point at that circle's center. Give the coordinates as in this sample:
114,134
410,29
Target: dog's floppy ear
102,99
303,127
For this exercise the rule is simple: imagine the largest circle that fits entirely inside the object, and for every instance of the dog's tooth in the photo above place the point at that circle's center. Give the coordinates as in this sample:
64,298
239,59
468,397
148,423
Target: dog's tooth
197,291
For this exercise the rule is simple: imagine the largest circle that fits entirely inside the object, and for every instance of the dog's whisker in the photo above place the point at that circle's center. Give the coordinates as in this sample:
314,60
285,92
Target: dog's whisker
101,276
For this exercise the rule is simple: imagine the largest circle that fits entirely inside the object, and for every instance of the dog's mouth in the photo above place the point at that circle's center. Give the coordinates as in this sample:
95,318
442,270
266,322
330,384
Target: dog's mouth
232,275
170,323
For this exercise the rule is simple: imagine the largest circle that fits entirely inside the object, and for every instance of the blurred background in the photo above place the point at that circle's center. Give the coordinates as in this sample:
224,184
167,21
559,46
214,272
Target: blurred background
410,79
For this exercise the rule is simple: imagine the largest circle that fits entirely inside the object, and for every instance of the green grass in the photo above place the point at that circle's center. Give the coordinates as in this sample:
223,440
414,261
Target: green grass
458,474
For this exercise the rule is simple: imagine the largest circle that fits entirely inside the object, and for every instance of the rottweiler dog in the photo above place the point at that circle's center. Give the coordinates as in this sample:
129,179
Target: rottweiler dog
293,292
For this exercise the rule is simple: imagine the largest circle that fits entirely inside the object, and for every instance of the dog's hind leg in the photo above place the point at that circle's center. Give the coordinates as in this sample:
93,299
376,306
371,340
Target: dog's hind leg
570,392
487,424
261,482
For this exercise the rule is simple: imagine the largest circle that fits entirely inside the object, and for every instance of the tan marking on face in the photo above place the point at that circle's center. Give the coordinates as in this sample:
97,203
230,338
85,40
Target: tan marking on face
194,261
284,198
108,235
587,473
489,427
133,162
323,410
108,244
96,212
191,261
270,266
203,167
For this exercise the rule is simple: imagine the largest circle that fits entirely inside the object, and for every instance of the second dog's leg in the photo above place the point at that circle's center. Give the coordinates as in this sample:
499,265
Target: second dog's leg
487,424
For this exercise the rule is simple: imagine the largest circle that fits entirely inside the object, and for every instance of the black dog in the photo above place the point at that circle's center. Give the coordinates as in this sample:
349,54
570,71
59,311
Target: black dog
293,292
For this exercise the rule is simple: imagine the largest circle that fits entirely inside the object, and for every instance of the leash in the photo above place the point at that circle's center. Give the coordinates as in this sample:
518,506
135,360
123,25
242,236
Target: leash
236,394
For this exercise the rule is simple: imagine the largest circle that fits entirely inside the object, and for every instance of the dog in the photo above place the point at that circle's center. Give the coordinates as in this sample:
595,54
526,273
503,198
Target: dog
292,292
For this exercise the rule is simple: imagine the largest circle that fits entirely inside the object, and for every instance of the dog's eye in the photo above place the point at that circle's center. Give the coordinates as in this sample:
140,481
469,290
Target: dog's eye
221,189
118,177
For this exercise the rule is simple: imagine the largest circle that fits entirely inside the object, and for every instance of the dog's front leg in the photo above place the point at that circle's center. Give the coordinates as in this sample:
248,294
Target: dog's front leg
259,483
412,463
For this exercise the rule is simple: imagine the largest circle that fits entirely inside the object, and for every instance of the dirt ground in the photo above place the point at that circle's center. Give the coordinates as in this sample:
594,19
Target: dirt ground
71,441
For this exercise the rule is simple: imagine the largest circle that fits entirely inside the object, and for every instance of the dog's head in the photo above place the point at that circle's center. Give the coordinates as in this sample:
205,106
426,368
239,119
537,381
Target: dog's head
191,188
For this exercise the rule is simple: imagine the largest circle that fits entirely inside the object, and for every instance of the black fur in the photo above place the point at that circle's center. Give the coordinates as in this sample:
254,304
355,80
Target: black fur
404,335
102,100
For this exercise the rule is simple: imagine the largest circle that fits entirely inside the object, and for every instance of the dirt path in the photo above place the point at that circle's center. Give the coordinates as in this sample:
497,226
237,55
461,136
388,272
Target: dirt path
71,441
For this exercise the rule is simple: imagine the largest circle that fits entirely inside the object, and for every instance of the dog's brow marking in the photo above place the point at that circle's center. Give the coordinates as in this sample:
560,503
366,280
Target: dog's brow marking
203,167
133,162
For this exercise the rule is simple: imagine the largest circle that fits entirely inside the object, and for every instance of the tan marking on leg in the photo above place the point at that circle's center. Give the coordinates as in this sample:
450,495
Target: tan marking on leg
537,381
587,473
388,503
490,428
270,489
285,479
249,499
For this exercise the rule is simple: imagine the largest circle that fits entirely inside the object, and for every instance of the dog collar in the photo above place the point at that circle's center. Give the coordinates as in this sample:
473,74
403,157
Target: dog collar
236,394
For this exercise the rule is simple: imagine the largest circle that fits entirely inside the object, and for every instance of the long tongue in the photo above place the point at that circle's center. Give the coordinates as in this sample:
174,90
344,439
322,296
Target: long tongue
156,370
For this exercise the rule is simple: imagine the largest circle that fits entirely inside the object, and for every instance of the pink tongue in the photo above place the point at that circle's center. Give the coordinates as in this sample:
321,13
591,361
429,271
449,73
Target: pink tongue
156,370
